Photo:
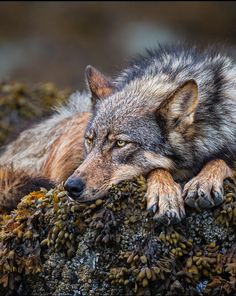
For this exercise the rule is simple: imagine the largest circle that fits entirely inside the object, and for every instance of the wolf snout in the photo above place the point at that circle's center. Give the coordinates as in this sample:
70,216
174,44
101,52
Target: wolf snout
75,187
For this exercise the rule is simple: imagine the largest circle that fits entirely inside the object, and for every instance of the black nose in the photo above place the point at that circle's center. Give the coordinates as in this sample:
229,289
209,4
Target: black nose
74,186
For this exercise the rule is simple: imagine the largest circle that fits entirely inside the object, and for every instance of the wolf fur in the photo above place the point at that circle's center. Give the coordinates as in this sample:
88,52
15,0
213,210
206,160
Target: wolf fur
45,155
171,115
16,184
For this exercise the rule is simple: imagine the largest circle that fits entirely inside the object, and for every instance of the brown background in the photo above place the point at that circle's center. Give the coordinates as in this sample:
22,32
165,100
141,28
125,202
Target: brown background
54,41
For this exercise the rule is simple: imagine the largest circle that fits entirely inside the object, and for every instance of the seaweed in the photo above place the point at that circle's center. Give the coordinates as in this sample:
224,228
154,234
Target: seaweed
113,246
21,105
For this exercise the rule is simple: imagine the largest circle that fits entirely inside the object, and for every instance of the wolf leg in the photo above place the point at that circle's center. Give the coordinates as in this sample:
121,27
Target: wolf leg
164,197
206,189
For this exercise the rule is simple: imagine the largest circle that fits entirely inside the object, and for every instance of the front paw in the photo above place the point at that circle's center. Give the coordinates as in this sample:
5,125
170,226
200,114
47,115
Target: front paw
202,192
166,202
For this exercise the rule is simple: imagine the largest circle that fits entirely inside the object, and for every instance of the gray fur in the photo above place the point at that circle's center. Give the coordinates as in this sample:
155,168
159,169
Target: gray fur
133,109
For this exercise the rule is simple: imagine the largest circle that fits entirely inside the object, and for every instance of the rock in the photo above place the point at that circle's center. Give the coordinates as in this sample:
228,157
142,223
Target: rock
115,248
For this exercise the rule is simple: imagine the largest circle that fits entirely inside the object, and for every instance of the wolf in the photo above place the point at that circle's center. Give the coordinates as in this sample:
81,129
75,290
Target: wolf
170,116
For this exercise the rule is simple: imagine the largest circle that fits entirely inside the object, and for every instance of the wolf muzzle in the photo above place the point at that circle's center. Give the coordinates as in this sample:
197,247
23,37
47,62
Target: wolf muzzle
75,187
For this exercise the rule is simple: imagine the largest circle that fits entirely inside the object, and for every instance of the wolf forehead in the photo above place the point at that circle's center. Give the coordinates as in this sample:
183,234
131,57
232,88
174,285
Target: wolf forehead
127,109
140,98
141,129
139,90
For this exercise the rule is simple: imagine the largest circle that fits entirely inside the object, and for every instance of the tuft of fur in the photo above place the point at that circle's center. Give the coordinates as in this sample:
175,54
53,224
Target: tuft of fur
51,149
31,150
78,102
16,184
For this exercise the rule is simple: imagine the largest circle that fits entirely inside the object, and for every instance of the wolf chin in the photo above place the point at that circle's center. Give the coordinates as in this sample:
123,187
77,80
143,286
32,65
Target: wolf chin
171,116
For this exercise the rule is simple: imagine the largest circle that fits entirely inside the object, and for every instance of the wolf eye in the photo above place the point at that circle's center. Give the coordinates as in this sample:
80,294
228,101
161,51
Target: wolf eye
120,143
89,141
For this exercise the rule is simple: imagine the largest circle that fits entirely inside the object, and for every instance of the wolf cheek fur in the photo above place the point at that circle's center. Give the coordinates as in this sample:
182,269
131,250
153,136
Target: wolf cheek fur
175,111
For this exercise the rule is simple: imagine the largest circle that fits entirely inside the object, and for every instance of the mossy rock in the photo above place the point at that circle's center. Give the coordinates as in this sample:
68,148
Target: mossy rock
51,245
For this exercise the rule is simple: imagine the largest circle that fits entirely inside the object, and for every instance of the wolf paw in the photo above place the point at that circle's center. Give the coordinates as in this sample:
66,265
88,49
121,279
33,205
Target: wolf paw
202,192
206,189
166,202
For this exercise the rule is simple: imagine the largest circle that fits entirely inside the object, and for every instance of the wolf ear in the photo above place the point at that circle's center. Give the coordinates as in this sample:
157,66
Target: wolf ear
179,108
99,85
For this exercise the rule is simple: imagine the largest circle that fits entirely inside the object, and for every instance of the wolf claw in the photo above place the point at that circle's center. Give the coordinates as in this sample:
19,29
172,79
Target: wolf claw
206,189
201,195
169,217
152,209
164,198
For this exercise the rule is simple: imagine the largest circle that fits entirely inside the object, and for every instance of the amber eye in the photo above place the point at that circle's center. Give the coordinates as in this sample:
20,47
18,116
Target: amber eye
120,143
89,141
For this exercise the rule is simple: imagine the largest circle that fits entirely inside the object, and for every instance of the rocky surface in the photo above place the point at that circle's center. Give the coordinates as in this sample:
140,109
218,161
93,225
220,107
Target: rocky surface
51,245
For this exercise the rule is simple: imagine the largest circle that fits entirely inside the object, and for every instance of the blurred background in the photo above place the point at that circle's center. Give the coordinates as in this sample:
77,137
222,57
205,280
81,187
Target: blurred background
54,41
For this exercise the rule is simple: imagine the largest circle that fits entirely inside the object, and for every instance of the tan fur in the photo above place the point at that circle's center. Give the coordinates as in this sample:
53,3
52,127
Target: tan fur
15,184
103,92
159,160
99,84
95,171
164,196
57,159
201,190
67,150
124,172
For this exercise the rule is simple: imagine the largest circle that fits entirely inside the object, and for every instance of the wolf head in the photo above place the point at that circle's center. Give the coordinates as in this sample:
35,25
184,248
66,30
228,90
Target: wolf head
131,131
